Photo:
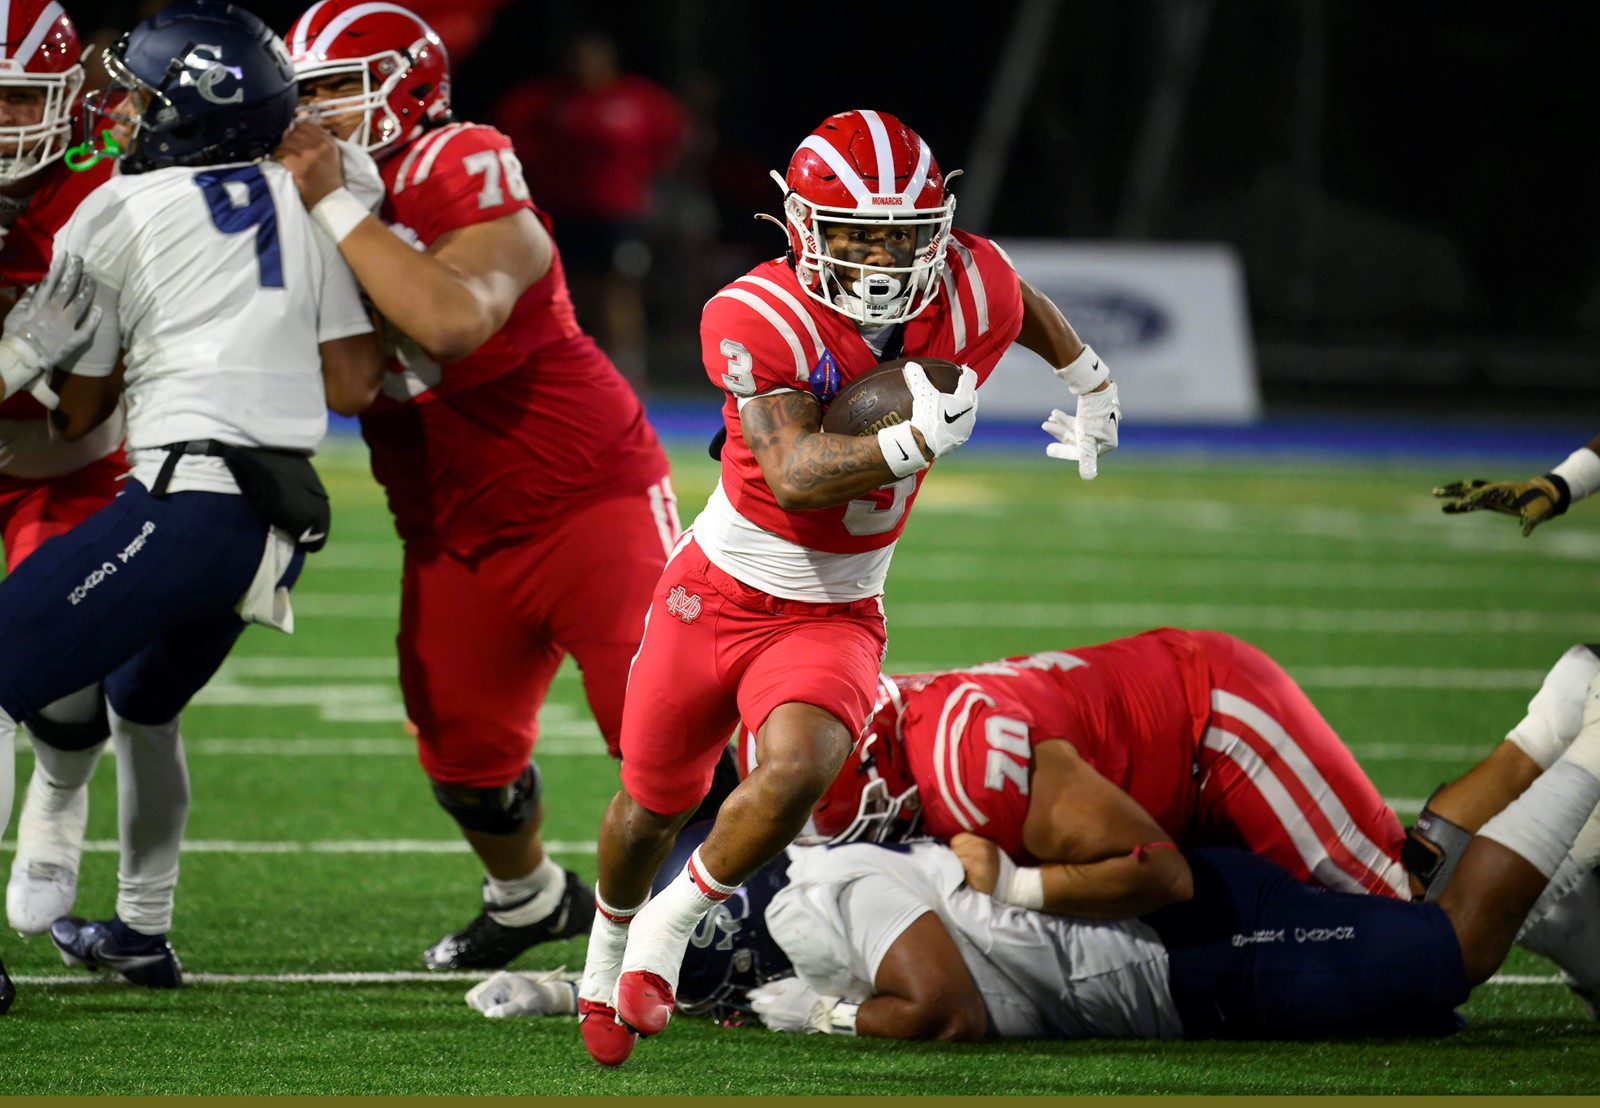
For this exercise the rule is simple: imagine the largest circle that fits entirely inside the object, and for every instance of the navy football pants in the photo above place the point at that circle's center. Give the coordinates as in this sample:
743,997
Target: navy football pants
1257,954
140,595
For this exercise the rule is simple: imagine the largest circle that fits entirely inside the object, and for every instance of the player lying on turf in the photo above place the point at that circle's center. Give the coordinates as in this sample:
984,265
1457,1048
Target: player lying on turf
531,494
1569,933
901,942
1077,756
240,327
1534,500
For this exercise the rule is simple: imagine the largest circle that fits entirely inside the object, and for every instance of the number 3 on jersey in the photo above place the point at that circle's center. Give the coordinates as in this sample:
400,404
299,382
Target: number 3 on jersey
246,205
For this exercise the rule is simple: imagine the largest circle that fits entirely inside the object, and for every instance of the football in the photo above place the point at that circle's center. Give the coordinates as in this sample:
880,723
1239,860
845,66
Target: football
881,399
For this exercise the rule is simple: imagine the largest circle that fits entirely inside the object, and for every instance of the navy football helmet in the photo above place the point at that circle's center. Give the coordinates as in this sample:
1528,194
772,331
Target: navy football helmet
199,83
730,952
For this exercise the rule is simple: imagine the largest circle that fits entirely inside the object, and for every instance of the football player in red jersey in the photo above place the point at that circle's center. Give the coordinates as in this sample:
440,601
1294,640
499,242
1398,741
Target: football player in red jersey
47,485
1089,756
771,608
532,496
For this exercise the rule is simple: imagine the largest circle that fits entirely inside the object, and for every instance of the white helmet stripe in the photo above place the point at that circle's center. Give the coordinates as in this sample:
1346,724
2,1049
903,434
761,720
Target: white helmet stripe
919,175
880,148
41,27
302,26
334,29
849,177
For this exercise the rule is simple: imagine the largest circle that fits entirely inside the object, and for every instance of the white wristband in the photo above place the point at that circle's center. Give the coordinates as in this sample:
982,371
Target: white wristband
900,450
20,364
1085,373
338,213
1019,885
1581,472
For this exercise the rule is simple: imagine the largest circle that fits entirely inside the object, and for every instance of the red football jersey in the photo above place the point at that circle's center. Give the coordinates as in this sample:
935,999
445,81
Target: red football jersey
1136,709
30,243
534,421
763,332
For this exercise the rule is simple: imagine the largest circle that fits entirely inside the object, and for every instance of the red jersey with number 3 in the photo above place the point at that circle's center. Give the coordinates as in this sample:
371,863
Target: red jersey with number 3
1134,708
531,424
763,333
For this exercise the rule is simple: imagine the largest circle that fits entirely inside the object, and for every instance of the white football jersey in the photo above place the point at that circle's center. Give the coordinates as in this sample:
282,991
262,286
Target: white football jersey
1041,976
218,288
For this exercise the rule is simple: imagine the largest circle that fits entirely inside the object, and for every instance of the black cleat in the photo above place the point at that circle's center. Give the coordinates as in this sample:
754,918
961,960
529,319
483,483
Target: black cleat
146,960
8,991
486,944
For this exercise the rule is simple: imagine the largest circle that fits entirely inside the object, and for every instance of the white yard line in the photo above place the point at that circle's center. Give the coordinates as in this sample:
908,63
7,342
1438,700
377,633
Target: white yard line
407,977
1264,617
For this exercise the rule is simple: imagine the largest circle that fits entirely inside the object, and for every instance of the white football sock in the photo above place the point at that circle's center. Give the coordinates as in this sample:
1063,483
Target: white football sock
8,767
529,899
1555,714
660,934
152,808
608,938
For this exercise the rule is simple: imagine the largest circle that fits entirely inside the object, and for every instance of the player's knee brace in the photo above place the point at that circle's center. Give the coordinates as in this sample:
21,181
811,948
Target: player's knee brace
1432,850
81,735
500,811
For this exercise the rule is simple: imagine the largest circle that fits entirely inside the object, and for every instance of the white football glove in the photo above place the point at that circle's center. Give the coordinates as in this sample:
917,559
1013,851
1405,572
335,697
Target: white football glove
1091,433
789,1004
52,322
524,994
1555,714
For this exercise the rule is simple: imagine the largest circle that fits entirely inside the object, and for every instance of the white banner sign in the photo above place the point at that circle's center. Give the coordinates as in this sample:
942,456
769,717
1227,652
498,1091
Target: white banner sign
1170,319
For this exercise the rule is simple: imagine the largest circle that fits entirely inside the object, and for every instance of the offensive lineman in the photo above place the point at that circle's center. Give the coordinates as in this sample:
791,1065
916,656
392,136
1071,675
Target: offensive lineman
532,497
771,607
47,485
196,246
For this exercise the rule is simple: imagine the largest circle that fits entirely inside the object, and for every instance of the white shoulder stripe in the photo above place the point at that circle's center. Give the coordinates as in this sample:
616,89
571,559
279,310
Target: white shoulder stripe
794,305
425,167
847,176
880,150
802,371
425,147
953,718
980,299
958,318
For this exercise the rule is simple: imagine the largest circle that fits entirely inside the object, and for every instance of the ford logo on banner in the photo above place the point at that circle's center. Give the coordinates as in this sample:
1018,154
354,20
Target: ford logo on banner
1110,318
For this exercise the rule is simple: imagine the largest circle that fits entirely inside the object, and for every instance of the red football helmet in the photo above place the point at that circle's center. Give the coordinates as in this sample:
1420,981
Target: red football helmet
867,169
403,66
874,798
39,50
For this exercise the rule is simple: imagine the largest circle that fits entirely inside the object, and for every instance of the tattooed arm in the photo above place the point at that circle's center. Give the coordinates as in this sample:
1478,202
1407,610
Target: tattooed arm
804,466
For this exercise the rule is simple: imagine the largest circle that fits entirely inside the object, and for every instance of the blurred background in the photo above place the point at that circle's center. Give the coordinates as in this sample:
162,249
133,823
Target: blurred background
1248,206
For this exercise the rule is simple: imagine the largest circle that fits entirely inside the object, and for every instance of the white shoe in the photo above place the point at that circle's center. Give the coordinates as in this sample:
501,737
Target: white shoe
44,874
1569,935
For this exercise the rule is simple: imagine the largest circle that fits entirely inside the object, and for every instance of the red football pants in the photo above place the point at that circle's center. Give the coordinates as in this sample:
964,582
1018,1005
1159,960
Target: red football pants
481,638
1276,779
716,651
32,512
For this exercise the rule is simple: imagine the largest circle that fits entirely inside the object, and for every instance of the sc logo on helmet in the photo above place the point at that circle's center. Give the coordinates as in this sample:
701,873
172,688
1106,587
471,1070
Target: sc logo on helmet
211,72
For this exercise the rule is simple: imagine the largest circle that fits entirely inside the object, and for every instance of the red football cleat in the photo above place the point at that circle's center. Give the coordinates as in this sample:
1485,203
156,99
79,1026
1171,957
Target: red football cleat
644,1002
607,1041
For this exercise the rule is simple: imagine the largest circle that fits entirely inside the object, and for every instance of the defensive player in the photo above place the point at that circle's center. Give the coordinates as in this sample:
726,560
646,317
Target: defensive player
771,607
196,247
47,485
1534,500
531,494
904,943
1078,756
